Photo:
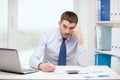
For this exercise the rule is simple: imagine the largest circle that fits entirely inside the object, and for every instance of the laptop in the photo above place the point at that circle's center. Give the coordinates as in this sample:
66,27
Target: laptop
10,62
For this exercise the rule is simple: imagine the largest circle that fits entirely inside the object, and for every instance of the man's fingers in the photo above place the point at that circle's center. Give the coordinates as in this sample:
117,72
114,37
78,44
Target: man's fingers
51,66
47,67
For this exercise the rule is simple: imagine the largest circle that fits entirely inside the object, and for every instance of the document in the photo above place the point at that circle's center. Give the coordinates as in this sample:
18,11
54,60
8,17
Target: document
88,72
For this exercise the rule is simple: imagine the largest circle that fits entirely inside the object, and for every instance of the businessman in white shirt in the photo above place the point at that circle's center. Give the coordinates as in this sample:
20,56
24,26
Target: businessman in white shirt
50,42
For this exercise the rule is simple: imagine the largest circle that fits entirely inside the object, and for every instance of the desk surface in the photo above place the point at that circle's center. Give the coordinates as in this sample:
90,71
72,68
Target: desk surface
91,72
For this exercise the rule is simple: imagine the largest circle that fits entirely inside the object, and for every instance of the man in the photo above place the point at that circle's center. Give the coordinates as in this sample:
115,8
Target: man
50,43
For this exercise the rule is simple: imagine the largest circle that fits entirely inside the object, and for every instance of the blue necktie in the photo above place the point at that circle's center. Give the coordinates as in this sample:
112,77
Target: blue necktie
62,54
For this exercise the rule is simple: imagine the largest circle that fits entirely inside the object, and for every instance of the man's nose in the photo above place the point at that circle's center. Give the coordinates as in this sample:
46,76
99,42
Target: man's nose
67,31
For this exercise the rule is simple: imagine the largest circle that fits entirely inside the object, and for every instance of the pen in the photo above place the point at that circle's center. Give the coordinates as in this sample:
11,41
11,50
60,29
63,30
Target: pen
103,76
48,61
83,73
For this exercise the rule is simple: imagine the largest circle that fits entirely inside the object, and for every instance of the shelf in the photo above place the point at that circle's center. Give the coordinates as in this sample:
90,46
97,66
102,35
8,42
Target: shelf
108,52
110,24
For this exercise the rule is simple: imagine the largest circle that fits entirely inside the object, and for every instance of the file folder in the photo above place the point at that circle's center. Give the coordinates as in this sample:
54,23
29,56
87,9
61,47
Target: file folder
102,38
105,10
103,59
105,38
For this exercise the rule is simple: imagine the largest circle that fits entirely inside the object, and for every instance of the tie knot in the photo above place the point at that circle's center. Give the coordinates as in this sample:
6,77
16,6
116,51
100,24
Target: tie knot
64,39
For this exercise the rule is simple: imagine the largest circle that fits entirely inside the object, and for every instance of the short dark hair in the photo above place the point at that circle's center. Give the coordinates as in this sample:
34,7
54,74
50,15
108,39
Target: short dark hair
69,16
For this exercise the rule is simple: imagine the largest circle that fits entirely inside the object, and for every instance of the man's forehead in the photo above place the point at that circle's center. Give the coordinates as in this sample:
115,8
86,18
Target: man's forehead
67,23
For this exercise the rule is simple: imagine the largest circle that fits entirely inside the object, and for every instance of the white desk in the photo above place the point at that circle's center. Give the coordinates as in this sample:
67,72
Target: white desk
91,72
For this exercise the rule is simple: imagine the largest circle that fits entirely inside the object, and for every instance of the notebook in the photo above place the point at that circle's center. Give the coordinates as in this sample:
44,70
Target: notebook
10,62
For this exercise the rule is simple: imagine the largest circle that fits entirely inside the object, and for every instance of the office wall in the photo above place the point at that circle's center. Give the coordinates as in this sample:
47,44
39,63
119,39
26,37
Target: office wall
3,22
91,25
86,11
36,16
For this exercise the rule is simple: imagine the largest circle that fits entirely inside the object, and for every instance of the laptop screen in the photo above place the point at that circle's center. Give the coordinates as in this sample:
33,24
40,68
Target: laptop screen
9,60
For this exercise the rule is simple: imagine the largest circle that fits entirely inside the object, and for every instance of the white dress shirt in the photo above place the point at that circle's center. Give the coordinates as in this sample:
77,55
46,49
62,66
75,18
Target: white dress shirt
49,44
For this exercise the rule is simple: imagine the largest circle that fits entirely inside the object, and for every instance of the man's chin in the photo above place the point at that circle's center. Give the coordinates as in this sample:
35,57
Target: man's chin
66,37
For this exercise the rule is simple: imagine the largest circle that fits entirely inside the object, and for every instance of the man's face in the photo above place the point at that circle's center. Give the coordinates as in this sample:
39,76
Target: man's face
66,28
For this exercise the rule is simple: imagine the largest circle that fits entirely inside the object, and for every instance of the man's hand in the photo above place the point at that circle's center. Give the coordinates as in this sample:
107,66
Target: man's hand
46,67
78,34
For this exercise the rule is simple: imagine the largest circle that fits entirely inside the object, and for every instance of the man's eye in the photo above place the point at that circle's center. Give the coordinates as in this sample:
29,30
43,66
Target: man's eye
65,26
71,28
